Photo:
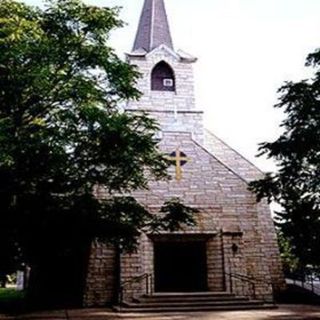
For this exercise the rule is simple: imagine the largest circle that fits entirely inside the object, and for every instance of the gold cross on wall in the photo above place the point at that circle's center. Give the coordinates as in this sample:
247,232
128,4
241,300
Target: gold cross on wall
179,159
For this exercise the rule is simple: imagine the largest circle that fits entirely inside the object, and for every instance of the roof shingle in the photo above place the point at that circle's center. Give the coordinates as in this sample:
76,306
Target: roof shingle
153,27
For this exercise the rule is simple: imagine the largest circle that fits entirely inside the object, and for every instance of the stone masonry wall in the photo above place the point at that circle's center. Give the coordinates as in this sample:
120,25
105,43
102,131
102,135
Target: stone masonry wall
215,264
181,121
249,172
215,181
270,245
224,204
182,99
101,277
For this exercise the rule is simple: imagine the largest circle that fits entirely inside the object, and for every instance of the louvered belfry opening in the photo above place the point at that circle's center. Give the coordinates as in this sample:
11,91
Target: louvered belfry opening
162,78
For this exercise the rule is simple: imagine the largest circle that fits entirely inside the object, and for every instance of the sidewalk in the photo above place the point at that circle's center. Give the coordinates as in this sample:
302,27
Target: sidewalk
285,312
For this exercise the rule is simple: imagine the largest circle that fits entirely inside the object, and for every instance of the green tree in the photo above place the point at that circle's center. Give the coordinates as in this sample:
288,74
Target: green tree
63,138
289,261
296,185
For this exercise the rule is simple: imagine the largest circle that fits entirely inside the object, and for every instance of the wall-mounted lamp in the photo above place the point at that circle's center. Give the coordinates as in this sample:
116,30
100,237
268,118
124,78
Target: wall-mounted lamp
235,248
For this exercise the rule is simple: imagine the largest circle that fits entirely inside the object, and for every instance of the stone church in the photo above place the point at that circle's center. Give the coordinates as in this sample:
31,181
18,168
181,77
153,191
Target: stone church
232,251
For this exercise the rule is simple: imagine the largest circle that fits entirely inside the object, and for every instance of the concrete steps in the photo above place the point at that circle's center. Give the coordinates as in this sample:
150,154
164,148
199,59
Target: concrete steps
187,299
183,302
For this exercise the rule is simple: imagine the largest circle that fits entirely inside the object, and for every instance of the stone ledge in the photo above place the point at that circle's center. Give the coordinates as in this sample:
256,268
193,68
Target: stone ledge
164,111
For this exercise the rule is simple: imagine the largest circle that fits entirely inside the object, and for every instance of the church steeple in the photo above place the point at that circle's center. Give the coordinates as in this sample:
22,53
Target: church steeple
166,81
153,28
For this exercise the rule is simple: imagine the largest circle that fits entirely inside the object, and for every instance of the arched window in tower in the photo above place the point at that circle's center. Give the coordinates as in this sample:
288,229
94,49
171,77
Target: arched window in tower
162,78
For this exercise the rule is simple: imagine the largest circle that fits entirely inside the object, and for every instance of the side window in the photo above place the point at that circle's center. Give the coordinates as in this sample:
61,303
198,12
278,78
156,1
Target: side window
162,78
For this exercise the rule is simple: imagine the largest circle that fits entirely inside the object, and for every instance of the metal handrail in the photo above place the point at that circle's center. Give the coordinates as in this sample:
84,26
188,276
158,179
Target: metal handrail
251,280
306,280
125,284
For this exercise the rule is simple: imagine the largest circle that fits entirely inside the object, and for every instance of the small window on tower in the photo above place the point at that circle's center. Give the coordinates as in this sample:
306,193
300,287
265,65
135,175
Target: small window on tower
162,78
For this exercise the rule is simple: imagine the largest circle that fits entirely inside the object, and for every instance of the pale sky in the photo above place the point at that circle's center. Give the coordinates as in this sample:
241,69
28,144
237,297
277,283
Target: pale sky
246,50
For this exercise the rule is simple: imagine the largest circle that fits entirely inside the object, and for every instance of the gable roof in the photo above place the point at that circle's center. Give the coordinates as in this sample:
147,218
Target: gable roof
230,157
153,27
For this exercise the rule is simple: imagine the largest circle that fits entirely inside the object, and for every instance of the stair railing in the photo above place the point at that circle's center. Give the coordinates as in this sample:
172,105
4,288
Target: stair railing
147,277
306,281
252,282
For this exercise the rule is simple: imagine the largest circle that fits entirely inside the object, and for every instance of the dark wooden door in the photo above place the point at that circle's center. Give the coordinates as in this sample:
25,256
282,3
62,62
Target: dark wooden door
180,266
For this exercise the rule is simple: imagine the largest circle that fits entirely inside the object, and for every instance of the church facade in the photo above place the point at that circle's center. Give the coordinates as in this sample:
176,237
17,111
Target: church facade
234,238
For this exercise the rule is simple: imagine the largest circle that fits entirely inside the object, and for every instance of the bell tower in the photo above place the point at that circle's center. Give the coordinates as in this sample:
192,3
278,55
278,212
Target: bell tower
167,80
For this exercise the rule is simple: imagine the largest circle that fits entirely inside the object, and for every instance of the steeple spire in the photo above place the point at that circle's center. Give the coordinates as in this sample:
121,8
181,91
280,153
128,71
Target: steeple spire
153,27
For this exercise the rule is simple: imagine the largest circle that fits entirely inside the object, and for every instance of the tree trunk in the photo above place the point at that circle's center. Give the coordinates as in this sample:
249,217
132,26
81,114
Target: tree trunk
3,281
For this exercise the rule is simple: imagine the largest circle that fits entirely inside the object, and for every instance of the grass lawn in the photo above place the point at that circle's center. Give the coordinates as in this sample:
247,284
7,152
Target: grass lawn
11,300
